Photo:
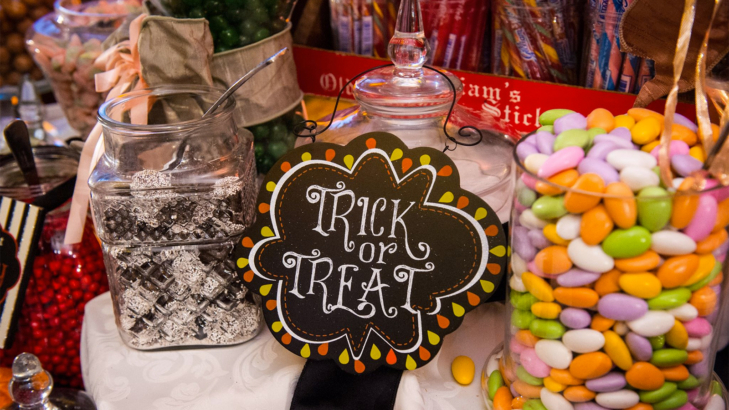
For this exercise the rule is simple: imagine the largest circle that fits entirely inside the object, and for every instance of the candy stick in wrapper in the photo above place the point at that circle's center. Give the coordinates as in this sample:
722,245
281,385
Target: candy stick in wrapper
441,33
367,45
564,45
379,27
540,18
629,73
610,55
392,7
465,39
455,29
356,26
498,47
645,73
472,48
522,58
344,27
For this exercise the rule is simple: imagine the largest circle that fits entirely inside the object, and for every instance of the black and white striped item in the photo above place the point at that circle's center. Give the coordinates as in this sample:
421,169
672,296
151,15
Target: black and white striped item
20,226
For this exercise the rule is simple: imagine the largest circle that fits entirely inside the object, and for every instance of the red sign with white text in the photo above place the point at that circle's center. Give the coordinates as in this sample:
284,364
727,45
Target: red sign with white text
508,104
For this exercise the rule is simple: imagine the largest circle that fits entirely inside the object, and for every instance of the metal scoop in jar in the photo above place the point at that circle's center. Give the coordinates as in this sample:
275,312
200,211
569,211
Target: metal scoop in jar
227,94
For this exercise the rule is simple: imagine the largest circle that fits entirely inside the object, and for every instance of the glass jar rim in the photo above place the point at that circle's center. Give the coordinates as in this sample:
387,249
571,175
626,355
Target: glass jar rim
225,110
61,7
40,153
565,189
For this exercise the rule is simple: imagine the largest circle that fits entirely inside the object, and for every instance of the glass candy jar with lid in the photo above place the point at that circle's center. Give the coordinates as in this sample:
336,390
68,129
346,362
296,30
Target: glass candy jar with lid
64,277
65,45
171,195
414,103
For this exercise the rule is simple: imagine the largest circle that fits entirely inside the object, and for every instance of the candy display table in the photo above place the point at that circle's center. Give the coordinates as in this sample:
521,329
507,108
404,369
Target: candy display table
259,374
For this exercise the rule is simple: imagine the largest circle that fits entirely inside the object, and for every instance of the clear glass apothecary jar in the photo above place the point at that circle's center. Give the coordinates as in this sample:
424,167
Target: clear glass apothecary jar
171,195
65,45
616,282
414,102
64,277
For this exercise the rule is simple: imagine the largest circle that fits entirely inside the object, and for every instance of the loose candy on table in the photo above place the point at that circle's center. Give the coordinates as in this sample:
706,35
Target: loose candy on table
616,276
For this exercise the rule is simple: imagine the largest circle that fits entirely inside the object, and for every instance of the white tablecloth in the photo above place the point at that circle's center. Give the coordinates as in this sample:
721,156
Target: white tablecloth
259,374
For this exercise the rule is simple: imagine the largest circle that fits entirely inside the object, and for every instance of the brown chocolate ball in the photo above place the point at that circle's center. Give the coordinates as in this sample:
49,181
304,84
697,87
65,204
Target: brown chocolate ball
23,26
4,55
14,9
23,63
15,43
13,78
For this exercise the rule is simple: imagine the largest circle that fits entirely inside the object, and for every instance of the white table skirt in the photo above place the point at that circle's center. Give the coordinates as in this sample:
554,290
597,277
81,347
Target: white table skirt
259,374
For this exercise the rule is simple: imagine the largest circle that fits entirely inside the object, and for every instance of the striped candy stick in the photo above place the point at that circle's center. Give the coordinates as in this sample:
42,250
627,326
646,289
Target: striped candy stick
629,73
379,28
541,17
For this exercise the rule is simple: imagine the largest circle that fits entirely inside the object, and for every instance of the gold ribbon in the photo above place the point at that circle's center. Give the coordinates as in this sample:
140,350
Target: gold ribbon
702,107
684,36
123,68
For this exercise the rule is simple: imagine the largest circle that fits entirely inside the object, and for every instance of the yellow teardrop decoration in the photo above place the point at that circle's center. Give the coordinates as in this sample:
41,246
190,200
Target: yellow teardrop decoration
446,198
276,326
242,262
458,310
480,214
410,363
499,251
344,357
487,286
306,157
265,289
270,186
266,232
433,338
305,351
396,154
425,160
349,161
375,353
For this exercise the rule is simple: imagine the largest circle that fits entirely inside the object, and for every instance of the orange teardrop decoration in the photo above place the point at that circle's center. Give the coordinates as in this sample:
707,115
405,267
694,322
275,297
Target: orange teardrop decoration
494,268
406,164
263,208
391,358
462,202
285,167
248,276
424,354
443,321
371,143
323,349
446,171
473,299
329,155
247,242
492,230
359,367
271,304
286,338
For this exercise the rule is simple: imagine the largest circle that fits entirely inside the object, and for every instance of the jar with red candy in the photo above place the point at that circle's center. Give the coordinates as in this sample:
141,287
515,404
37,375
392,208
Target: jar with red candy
64,277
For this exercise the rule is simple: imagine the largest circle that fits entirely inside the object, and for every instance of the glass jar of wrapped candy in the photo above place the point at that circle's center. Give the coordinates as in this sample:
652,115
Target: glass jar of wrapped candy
66,43
171,195
64,277
616,278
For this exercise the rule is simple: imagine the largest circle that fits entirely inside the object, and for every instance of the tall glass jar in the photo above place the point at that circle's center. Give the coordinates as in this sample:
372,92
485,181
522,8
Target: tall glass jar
616,279
64,277
170,198
66,43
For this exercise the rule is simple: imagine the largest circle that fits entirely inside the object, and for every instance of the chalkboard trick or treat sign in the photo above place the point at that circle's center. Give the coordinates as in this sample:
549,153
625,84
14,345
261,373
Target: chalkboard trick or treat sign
369,254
